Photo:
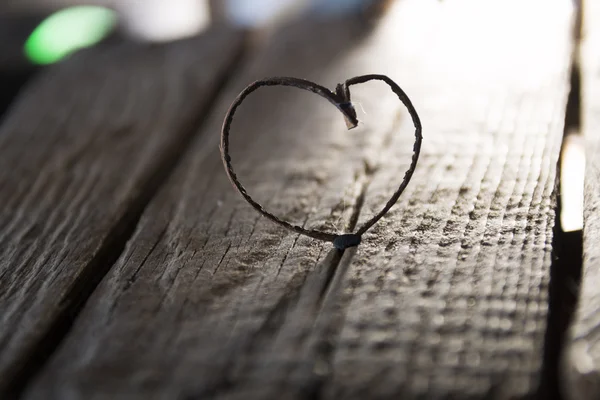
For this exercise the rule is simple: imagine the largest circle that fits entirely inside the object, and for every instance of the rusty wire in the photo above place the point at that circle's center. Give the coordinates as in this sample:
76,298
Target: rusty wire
342,101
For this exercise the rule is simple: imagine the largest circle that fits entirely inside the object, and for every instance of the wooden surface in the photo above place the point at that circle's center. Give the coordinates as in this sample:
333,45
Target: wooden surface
581,362
81,154
446,297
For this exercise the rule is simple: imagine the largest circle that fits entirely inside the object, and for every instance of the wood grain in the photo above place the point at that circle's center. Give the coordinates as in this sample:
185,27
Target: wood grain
447,297
581,361
450,294
81,153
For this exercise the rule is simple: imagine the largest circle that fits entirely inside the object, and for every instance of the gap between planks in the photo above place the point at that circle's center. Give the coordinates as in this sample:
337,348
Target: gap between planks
581,355
565,271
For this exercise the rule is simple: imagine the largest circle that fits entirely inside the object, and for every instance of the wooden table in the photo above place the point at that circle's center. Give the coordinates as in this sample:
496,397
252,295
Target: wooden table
130,268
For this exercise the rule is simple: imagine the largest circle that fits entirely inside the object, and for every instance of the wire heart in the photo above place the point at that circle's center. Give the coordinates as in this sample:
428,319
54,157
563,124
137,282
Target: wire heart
342,101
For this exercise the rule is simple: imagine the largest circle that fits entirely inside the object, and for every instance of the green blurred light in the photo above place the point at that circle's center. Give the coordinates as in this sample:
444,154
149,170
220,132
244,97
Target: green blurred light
67,31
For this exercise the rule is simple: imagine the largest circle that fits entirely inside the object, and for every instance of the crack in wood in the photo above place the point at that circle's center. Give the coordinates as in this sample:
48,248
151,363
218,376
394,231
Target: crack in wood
285,257
222,258
133,277
329,313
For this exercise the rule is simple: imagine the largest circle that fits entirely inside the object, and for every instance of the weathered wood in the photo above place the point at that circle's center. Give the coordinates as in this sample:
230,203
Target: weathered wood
581,361
446,297
457,276
81,154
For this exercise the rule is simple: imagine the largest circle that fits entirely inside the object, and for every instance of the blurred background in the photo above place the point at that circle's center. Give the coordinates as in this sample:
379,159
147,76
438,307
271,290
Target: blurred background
38,33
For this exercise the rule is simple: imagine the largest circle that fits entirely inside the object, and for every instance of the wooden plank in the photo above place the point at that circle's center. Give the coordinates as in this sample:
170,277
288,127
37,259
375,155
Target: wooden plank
458,275
581,359
446,297
81,154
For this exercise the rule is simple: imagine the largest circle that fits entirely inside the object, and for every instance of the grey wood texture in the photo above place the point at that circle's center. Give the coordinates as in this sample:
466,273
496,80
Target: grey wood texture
581,359
81,153
446,298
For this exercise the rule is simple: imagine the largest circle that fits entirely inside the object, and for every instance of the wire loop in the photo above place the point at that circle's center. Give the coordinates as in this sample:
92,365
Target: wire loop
342,101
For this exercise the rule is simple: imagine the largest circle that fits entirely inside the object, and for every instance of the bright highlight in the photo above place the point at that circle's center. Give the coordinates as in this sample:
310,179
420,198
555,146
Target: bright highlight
67,31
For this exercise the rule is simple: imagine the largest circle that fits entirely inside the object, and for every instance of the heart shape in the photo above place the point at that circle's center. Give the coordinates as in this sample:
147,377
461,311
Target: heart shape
341,100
